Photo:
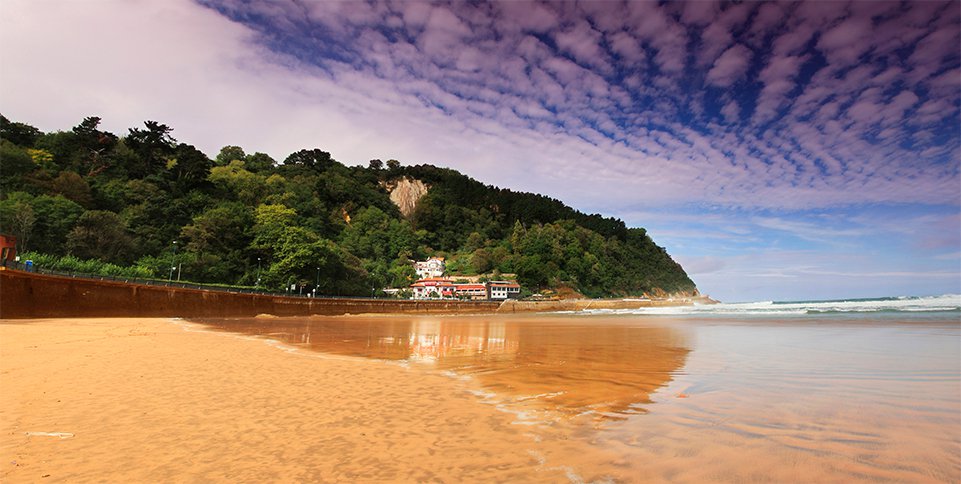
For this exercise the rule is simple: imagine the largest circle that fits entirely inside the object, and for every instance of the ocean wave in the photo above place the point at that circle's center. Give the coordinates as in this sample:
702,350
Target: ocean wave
901,304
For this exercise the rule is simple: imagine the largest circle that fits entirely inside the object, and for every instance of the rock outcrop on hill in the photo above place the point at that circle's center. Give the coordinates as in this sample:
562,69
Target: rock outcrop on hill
405,193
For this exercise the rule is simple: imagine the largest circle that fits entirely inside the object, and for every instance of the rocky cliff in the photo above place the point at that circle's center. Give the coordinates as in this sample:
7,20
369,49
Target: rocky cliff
405,193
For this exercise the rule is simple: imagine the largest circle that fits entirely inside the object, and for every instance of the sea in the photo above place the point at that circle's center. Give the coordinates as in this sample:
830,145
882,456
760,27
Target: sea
854,390
940,306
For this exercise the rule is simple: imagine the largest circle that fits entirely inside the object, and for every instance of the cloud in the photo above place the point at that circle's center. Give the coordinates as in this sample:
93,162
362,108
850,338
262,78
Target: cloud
695,266
526,16
628,48
661,33
778,78
718,35
731,111
730,67
816,232
607,106
847,41
769,16
700,13
583,43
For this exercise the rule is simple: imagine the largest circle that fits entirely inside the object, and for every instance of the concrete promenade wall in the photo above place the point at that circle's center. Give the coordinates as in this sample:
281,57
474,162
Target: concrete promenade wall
30,295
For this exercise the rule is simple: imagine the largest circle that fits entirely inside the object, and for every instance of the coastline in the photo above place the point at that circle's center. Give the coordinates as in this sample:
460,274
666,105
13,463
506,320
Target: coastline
29,295
143,400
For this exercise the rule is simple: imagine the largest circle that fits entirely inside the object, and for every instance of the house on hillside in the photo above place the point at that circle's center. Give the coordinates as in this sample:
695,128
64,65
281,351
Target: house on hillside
431,268
500,290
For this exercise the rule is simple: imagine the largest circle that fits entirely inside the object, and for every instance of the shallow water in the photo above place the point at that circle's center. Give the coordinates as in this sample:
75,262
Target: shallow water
690,398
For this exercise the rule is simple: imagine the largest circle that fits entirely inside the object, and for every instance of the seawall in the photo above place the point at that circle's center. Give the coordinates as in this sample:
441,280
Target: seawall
30,295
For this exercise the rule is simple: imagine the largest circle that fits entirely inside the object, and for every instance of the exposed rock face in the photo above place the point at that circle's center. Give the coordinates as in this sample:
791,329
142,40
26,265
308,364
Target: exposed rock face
405,193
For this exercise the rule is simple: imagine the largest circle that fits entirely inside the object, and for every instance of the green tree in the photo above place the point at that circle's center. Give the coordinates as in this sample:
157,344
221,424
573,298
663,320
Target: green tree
303,258
401,273
91,147
153,146
188,167
532,272
147,211
72,187
15,163
229,154
372,234
101,235
314,159
235,181
219,238
22,224
271,226
481,261
260,162
42,158
18,133
53,218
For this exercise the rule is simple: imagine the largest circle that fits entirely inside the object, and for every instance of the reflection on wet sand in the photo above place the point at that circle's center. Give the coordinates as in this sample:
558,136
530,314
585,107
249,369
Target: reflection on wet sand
564,366
814,399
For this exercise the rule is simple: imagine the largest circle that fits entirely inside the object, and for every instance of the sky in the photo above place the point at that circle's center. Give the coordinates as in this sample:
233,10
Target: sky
778,151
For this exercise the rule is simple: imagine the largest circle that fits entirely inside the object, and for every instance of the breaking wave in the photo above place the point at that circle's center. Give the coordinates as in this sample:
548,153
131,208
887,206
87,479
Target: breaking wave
904,304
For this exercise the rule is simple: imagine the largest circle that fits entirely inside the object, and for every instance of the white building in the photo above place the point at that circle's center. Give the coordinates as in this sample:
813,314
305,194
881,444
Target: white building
504,290
431,268
433,288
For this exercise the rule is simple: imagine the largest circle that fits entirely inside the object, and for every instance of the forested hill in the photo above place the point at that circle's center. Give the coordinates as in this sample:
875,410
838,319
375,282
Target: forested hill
148,201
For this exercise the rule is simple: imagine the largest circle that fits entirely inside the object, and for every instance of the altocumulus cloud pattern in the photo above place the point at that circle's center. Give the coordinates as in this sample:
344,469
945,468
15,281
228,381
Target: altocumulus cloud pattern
809,104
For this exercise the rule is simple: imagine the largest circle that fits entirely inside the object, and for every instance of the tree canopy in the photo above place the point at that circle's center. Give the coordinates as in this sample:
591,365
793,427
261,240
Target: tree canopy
147,200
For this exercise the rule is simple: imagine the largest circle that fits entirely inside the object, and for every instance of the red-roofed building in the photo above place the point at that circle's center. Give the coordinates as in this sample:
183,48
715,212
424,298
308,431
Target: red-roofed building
433,288
472,291
444,288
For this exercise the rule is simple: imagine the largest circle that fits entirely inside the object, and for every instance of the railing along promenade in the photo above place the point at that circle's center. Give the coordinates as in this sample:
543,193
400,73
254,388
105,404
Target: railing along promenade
30,291
22,266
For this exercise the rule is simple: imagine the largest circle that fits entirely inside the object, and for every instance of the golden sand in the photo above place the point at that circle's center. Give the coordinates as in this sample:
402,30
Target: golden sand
480,399
143,400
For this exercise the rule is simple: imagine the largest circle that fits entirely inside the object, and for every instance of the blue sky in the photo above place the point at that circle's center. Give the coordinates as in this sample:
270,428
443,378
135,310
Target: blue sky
777,150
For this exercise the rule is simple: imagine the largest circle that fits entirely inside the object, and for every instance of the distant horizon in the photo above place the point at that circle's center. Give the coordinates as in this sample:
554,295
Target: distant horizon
844,299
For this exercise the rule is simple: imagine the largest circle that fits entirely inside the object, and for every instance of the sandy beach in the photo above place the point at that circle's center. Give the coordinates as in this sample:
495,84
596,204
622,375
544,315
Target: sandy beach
485,398
144,400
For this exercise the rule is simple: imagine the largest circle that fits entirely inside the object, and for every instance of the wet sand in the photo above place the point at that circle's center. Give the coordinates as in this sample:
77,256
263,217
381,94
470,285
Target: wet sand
543,398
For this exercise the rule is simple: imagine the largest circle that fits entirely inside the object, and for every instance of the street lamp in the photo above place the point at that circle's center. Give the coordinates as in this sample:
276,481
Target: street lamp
258,272
318,281
173,266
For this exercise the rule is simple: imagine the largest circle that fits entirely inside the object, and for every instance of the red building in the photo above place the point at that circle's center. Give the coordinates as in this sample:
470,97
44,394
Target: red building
476,292
8,247
444,288
433,288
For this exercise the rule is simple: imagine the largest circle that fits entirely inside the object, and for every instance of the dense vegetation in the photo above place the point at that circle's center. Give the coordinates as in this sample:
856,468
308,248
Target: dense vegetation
148,202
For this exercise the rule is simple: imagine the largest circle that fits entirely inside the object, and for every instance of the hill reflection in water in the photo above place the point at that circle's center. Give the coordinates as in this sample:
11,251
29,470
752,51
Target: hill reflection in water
562,365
